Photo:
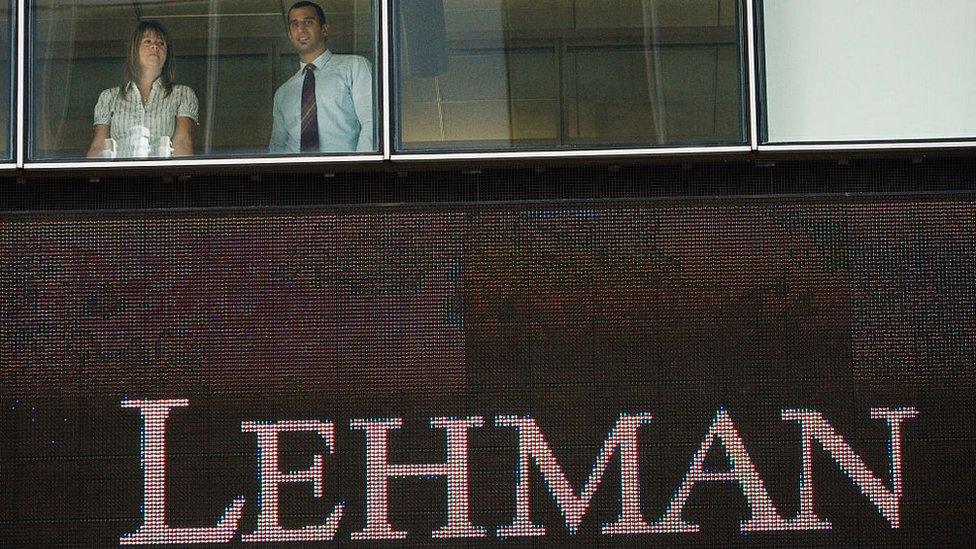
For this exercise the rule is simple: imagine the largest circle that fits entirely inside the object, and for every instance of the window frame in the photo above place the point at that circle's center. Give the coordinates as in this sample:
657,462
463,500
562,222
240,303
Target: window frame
14,110
24,161
745,13
754,106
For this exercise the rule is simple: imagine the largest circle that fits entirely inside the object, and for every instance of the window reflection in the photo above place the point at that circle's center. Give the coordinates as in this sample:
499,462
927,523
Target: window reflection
227,59
501,74
6,65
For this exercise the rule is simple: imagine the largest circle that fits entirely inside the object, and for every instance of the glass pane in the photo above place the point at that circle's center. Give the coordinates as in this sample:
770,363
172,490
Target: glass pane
6,80
869,70
229,58
560,74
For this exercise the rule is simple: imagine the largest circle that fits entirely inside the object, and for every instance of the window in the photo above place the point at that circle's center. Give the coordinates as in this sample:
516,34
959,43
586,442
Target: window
568,74
871,70
6,80
228,58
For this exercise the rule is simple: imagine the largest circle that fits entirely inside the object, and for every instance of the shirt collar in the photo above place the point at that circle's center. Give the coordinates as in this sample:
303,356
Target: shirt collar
319,61
134,89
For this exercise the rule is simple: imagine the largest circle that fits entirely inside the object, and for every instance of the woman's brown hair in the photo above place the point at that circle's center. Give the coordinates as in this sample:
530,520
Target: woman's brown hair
130,69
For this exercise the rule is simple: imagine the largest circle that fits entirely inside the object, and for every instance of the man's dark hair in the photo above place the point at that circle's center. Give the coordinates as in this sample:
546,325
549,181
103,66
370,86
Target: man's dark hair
305,4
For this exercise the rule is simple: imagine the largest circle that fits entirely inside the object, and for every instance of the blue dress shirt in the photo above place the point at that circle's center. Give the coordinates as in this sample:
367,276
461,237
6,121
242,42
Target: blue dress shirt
343,99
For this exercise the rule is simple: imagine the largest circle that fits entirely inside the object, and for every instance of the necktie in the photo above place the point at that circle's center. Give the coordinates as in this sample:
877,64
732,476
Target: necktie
310,118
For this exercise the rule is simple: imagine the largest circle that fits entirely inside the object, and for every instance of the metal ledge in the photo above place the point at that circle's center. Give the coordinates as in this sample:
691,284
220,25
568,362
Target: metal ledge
878,146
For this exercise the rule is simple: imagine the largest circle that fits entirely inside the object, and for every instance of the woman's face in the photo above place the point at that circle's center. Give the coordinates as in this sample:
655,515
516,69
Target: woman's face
152,51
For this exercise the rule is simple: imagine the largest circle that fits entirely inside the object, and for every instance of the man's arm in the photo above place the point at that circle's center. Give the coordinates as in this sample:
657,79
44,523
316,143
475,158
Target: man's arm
362,100
279,133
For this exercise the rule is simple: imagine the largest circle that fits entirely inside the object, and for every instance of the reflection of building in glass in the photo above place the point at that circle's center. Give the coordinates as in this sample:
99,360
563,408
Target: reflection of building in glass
573,73
5,80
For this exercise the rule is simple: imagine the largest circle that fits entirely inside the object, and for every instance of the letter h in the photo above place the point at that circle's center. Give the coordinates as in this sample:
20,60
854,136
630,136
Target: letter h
379,471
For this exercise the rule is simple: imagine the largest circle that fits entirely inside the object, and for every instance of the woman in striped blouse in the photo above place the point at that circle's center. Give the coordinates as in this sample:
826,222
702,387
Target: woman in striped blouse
148,115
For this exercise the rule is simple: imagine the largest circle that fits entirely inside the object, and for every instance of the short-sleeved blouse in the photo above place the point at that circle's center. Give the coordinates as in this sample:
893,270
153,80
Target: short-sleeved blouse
159,114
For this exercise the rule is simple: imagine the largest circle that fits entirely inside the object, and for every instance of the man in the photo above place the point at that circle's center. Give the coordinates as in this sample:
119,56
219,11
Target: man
328,105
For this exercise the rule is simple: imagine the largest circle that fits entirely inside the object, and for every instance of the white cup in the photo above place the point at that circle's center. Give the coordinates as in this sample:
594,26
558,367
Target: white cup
137,131
164,149
139,141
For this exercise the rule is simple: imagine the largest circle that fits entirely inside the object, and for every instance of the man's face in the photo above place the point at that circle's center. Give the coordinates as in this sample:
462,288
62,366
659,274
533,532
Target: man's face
307,35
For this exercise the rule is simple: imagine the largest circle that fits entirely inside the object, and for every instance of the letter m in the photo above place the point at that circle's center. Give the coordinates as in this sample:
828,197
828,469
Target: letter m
573,504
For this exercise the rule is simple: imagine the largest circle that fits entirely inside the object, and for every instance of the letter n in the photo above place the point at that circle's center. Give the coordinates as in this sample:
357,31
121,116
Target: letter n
813,426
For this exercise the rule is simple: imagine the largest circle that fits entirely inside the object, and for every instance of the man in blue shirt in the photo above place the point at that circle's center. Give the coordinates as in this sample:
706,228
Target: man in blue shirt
327,106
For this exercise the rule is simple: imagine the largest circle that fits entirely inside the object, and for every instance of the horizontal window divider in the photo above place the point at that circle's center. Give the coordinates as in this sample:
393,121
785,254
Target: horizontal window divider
164,164
866,146
101,49
588,153
666,36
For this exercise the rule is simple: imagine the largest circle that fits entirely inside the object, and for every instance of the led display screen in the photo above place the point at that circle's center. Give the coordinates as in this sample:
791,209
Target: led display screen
684,373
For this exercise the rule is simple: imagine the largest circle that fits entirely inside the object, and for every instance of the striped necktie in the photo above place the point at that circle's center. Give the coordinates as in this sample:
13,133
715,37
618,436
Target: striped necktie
310,118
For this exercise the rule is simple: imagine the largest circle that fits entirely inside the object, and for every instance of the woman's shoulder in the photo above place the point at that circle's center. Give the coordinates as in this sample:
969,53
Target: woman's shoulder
107,98
109,92
183,89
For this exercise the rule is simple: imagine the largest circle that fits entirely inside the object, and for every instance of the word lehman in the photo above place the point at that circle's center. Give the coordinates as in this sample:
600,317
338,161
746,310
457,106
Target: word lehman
532,448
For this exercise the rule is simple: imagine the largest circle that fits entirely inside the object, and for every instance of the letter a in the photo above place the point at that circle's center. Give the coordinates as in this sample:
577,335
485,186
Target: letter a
742,471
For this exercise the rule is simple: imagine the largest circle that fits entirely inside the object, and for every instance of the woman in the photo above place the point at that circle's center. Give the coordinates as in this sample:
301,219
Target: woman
148,115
